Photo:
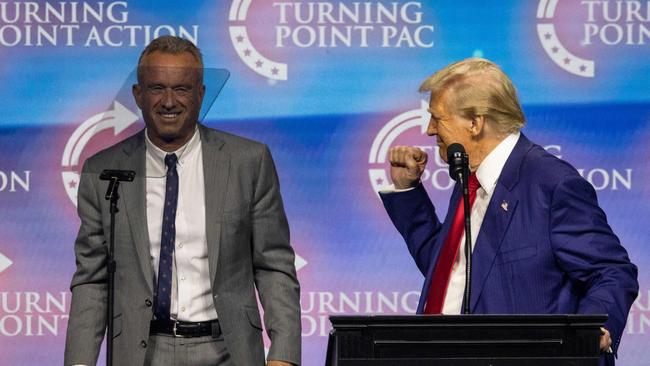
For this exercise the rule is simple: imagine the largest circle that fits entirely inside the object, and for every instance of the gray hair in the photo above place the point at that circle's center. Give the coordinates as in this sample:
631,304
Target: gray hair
172,45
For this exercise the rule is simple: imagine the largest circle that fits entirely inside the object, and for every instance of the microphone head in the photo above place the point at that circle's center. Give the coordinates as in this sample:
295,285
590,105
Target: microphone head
455,154
455,149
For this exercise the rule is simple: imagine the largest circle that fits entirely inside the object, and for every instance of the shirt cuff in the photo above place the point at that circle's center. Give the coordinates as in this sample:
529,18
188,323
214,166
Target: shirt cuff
391,189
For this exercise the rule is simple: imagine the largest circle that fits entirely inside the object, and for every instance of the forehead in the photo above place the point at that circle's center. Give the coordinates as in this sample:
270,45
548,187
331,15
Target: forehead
161,66
437,103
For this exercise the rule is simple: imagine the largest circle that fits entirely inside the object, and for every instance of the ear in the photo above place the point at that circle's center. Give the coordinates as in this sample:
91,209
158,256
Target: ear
478,126
136,90
201,93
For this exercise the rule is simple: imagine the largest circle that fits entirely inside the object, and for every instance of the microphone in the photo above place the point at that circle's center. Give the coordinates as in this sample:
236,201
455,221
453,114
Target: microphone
119,175
457,160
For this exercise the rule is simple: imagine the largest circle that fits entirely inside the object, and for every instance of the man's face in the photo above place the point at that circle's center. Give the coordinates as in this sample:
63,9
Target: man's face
169,93
448,127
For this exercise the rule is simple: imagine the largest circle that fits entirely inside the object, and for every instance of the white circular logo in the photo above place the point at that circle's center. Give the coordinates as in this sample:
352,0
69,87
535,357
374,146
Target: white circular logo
554,48
414,125
119,119
245,50
416,118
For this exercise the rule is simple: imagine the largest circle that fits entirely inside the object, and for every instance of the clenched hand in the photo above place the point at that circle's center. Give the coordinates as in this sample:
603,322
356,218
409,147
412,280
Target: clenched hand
406,166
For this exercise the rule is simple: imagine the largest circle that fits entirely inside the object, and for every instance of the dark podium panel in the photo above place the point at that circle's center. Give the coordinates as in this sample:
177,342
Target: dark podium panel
465,340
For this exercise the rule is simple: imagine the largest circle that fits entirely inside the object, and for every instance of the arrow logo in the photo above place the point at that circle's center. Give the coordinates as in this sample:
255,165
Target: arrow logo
4,262
300,262
119,119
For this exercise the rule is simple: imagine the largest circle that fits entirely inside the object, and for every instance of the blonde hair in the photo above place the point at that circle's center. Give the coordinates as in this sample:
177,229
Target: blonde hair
478,87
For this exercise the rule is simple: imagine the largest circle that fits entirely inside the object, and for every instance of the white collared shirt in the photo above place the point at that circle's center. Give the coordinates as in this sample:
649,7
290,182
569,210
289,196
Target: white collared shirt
191,290
488,173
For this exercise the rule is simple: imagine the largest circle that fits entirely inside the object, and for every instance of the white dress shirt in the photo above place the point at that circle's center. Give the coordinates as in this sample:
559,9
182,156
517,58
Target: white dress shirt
191,298
487,174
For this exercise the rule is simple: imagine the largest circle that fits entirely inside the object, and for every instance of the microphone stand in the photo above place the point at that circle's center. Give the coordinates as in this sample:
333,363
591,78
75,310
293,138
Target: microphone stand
113,177
112,196
464,179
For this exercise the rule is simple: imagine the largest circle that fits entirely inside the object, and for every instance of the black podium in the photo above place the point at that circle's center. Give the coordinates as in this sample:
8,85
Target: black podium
465,340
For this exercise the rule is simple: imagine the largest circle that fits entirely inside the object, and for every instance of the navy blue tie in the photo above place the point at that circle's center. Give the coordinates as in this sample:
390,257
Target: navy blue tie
164,287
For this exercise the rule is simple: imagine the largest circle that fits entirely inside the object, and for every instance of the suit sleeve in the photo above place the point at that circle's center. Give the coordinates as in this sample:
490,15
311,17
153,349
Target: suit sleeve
87,319
273,262
415,218
588,251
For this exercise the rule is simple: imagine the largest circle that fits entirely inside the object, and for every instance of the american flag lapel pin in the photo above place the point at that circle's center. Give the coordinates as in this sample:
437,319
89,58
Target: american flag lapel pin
504,205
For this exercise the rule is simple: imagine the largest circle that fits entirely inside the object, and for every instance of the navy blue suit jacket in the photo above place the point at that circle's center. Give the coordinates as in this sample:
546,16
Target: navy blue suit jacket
550,252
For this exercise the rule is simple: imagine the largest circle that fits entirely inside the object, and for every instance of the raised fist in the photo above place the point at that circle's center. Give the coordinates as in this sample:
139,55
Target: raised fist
406,166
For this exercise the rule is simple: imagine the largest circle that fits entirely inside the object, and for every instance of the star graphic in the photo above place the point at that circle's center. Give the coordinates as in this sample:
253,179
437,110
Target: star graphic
72,184
379,181
555,49
259,63
240,39
567,60
275,71
583,68
247,52
547,36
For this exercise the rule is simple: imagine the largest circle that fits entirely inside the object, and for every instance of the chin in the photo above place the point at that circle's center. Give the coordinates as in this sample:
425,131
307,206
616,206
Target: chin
167,133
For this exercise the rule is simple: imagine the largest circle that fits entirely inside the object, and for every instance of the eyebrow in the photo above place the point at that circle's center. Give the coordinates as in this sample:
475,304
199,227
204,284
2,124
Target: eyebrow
433,114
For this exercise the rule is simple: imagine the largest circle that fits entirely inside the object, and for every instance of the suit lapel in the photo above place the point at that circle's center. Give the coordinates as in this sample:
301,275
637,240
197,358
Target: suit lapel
134,196
500,211
496,222
216,171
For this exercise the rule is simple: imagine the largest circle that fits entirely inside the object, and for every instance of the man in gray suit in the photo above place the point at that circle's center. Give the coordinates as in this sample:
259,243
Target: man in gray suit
200,228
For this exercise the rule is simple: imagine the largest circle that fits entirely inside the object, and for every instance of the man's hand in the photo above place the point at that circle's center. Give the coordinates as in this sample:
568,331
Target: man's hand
278,363
406,166
605,340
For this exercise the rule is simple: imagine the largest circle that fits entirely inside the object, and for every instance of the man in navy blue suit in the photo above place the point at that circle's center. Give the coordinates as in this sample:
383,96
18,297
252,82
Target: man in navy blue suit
541,243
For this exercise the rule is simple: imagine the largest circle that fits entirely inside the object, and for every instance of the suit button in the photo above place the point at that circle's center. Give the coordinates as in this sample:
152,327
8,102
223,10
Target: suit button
147,302
143,344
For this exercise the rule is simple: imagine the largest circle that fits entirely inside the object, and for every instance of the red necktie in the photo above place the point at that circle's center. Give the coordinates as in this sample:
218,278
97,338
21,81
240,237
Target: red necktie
442,272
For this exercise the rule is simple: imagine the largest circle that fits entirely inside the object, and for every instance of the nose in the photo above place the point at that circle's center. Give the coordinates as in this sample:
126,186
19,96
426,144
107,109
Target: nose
432,129
169,100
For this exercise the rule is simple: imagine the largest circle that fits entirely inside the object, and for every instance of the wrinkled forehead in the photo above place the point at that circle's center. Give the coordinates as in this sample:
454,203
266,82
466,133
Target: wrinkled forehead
170,74
440,100
166,66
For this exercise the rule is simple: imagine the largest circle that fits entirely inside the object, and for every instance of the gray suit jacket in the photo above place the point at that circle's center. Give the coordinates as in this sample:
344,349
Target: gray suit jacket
248,248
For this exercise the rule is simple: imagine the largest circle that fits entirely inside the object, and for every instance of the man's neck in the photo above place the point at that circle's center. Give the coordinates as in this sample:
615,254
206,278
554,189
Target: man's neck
483,149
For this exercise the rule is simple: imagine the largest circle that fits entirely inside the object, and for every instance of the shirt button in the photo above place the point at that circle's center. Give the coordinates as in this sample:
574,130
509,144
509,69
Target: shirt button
147,302
182,278
180,245
183,308
143,344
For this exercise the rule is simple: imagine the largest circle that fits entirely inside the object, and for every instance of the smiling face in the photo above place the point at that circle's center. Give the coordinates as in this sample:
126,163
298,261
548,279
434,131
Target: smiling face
169,93
448,127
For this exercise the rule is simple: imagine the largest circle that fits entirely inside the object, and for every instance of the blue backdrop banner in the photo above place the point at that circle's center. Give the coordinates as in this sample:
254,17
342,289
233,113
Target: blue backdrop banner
330,86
